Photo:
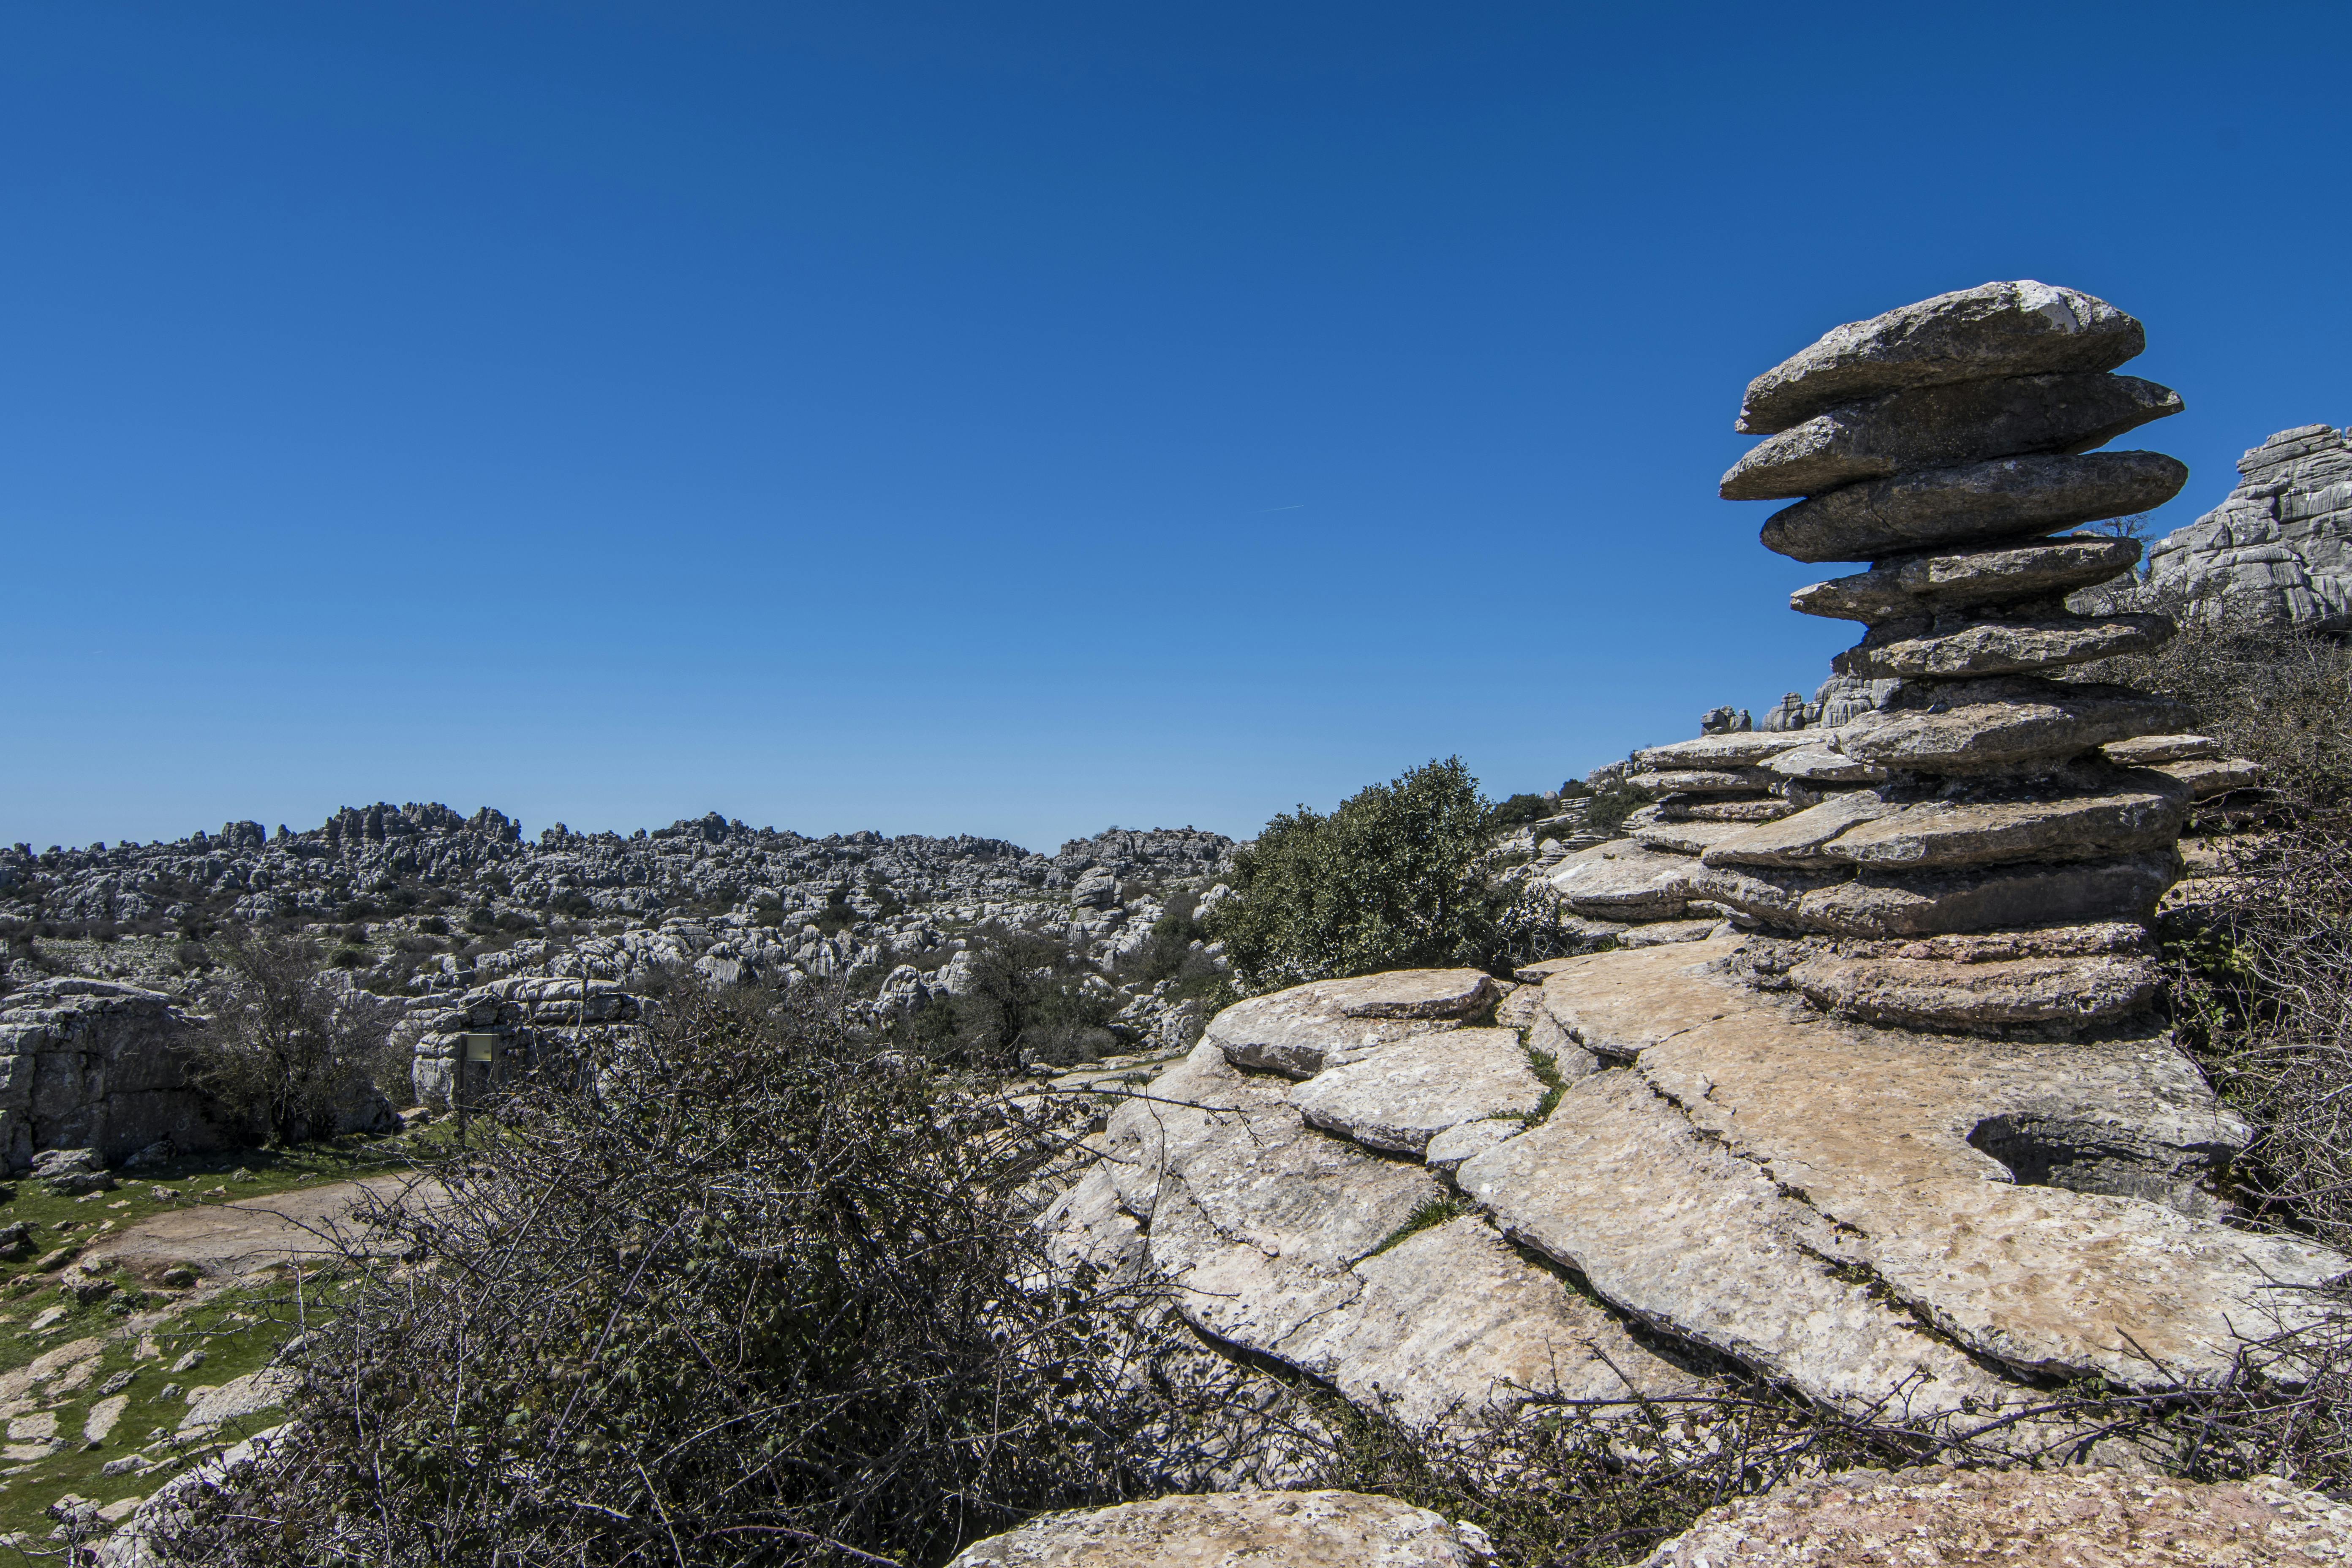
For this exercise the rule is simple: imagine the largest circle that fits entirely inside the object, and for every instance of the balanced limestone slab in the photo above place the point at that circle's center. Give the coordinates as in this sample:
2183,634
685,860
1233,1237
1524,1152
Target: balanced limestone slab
2122,820
1693,781
1945,426
1887,904
1798,840
1744,749
2209,776
2000,647
2020,328
1401,1097
1997,725
1623,882
1973,504
1684,838
1932,992
1910,584
2145,749
1296,1032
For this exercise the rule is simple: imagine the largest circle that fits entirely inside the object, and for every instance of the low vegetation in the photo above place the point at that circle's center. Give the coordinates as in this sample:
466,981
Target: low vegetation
1399,876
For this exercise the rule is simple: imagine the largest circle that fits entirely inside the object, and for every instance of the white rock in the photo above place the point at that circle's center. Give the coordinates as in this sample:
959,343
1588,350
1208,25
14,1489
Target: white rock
1401,1096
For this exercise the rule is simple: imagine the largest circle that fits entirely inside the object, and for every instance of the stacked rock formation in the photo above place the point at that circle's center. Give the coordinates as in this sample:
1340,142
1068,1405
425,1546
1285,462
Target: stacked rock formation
1965,853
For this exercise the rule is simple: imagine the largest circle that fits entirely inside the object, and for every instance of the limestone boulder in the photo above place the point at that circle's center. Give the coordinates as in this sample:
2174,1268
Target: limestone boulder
2141,814
1799,839
1944,427
90,1064
1695,781
1995,1519
1972,504
1621,881
2209,776
1399,1098
1745,749
1904,587
1906,650
2278,550
1235,1530
2002,329
2145,749
1299,1031
1927,903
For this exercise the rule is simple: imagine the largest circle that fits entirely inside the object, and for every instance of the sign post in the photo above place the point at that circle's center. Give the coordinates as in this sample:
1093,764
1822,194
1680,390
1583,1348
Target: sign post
482,1049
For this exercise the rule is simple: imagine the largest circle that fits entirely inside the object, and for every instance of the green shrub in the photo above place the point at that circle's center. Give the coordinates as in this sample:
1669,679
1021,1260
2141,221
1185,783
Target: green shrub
1394,878
1522,808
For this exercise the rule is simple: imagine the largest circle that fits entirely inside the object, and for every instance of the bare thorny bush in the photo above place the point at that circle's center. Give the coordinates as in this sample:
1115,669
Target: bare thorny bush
750,1296
283,1054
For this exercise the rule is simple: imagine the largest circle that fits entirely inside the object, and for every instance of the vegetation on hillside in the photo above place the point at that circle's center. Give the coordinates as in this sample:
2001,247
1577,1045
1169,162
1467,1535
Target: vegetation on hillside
1399,876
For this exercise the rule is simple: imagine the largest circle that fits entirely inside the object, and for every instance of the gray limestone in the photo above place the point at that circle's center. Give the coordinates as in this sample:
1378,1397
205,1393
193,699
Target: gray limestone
88,1064
2278,550
1909,585
1985,726
2021,327
1989,648
1933,993
1226,1530
1401,1097
1619,880
1300,1031
1977,503
1945,426
1880,903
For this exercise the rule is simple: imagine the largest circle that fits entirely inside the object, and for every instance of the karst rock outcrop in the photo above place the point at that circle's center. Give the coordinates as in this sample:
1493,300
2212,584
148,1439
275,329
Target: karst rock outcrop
2278,551
1867,1096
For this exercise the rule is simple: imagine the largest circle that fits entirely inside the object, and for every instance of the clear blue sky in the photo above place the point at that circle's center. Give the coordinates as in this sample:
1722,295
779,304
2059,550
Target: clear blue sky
1020,418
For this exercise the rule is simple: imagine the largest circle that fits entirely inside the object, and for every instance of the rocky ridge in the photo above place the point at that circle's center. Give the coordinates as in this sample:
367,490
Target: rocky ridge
2278,550
1862,1096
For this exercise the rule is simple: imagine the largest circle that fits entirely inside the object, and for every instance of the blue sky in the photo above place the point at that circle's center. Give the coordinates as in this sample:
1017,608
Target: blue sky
1021,418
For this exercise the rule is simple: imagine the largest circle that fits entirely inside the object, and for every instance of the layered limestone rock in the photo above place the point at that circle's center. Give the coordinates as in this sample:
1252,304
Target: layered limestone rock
1253,1530
2278,551
1979,1518
86,1064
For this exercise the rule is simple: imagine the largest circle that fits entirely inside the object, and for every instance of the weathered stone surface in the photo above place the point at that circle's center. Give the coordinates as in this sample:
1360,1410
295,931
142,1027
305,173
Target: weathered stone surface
1662,934
1272,1233
1707,752
1945,426
2144,750
1996,1519
2091,941
1591,1006
1668,1227
1693,781
1995,725
1451,1314
1910,585
2036,1201
88,1064
1885,904
2278,551
1233,1530
1401,1097
2207,777
1449,1149
1820,766
1931,992
1621,881
2020,328
1999,648
1698,808
2138,815
1684,838
1796,840
1299,1031
1974,503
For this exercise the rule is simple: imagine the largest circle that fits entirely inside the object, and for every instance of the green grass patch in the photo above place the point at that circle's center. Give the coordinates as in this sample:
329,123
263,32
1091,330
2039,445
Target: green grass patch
1428,1216
1546,1067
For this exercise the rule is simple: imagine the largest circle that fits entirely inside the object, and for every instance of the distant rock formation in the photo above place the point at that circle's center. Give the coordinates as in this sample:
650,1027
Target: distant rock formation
2279,549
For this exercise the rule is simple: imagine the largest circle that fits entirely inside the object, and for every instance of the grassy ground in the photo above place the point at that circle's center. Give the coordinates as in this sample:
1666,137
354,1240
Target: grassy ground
143,1329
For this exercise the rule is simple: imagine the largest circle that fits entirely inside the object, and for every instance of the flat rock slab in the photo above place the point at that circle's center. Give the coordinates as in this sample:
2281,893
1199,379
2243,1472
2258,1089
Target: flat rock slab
1797,839
1991,726
1973,504
1284,1240
2143,812
1997,1519
1399,1098
1233,1530
1695,781
1743,750
2209,776
1449,1149
1945,426
1881,1131
1296,1032
1666,1225
2144,750
1911,584
1621,881
2000,647
1886,904
1684,838
1931,992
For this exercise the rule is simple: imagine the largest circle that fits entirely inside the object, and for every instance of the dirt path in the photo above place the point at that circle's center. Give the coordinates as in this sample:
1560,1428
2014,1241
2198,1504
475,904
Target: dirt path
231,1238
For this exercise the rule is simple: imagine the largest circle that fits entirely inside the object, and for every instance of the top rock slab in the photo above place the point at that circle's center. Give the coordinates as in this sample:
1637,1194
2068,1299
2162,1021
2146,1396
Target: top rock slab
1993,330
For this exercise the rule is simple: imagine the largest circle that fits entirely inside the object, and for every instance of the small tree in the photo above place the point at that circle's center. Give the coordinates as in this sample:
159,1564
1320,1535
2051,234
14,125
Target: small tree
283,1051
1395,877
